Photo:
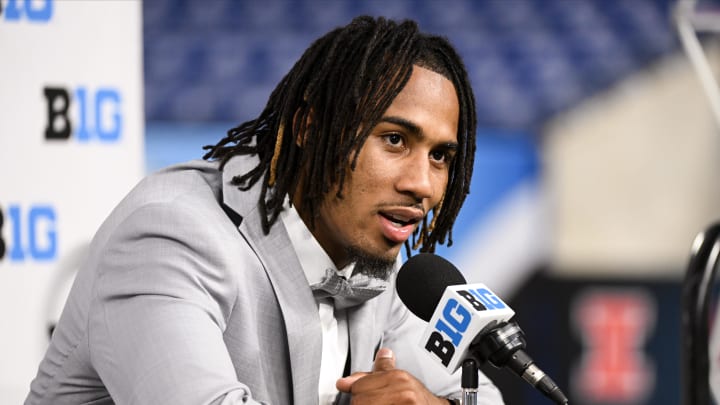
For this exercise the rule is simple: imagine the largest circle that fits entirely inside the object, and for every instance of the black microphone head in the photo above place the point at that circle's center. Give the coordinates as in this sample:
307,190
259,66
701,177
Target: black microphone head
421,282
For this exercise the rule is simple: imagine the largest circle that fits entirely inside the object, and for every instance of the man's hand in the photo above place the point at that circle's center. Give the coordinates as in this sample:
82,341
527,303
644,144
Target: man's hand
386,385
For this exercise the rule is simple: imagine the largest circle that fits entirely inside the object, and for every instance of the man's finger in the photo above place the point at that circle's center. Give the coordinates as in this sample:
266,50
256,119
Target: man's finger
384,360
345,384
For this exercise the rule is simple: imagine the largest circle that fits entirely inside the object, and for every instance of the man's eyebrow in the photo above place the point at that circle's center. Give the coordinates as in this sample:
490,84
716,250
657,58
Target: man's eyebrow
414,129
407,124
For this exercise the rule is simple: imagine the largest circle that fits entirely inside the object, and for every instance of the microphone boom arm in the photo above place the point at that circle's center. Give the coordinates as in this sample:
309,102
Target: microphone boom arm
503,346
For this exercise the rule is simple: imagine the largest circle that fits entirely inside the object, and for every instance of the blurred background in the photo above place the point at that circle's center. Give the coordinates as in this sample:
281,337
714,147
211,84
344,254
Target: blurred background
597,160
596,167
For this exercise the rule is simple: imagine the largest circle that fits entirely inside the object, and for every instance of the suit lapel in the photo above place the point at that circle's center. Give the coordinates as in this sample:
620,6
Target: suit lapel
361,328
288,281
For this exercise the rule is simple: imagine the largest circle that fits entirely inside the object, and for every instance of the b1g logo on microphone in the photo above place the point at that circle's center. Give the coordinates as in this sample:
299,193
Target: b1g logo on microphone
482,299
28,233
462,313
35,11
452,325
96,116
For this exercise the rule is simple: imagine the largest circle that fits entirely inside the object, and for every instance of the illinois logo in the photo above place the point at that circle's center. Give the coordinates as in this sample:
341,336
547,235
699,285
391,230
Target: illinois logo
614,325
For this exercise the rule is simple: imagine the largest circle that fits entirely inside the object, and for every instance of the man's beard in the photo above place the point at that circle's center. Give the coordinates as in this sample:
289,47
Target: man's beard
370,265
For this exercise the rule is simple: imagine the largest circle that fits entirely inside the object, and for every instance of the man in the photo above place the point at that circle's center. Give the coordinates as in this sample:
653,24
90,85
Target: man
205,285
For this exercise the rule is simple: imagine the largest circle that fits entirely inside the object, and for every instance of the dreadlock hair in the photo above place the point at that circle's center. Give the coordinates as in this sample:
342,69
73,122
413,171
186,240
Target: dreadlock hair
320,114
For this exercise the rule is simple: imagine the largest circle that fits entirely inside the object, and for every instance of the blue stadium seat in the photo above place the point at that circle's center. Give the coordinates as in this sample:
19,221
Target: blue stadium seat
527,59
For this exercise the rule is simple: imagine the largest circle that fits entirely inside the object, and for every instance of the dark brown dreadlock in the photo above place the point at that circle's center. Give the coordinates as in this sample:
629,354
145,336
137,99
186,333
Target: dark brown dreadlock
323,110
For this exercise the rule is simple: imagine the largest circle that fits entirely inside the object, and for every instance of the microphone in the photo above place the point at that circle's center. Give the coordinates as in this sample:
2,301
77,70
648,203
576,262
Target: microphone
466,321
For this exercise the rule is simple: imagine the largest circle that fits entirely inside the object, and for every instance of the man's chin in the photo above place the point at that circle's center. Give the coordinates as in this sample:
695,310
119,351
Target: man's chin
373,265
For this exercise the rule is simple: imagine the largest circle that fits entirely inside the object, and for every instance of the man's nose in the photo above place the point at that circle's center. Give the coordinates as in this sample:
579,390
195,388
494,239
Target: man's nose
416,178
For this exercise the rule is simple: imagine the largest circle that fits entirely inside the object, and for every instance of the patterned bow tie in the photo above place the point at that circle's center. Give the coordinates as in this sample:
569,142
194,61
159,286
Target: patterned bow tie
348,293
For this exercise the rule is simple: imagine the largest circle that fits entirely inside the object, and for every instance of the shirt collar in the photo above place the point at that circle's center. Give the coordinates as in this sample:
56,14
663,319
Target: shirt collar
313,258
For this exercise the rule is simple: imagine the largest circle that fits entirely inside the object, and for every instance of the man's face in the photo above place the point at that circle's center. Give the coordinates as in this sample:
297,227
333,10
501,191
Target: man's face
401,174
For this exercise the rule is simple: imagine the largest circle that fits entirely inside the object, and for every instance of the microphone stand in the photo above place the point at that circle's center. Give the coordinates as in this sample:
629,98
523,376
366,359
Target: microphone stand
469,382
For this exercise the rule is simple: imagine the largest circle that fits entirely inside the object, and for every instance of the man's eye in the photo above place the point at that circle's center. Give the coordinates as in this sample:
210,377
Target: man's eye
393,139
440,156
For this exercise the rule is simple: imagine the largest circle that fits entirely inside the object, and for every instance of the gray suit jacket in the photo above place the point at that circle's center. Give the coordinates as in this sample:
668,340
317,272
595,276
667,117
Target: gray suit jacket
176,304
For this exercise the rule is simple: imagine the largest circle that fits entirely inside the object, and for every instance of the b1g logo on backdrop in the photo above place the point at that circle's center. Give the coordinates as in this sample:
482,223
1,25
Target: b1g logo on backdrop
83,113
28,233
36,11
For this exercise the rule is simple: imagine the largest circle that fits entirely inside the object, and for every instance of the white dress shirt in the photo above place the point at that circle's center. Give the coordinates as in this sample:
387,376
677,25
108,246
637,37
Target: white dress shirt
314,262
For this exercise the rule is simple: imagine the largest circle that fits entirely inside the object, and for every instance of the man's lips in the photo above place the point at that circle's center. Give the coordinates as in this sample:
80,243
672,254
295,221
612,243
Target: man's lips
403,217
397,224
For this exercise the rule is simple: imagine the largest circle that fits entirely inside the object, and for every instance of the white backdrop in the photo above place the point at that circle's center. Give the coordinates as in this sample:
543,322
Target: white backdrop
71,146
